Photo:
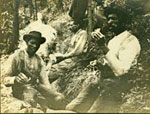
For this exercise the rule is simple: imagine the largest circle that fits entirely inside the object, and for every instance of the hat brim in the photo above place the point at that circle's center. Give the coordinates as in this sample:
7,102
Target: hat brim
27,37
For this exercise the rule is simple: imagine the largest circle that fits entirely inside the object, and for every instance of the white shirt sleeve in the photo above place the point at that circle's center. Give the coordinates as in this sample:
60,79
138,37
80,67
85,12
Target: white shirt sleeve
81,38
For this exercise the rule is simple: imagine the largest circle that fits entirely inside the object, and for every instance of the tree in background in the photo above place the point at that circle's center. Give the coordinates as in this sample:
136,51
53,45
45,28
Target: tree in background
90,27
43,4
59,5
15,24
31,7
36,10
6,25
26,4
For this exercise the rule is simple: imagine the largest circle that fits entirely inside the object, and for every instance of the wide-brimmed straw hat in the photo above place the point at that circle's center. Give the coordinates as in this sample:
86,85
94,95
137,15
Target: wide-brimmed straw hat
34,34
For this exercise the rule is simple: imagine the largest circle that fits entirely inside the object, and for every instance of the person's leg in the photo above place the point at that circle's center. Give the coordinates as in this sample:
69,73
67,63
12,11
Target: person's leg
29,95
58,70
55,99
95,107
105,102
111,95
85,99
17,91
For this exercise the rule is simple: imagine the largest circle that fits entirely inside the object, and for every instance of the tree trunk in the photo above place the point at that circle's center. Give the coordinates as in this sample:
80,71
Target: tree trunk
89,29
43,4
16,24
31,7
59,5
36,10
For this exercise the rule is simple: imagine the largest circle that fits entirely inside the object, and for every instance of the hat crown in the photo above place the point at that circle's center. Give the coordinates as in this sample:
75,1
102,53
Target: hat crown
35,34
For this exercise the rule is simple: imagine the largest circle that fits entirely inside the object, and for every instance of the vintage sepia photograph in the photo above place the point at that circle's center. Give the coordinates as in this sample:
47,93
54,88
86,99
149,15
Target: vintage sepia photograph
75,56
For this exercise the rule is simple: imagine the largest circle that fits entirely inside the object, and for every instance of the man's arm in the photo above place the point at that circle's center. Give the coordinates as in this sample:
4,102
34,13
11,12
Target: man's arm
14,73
11,70
45,88
79,47
43,78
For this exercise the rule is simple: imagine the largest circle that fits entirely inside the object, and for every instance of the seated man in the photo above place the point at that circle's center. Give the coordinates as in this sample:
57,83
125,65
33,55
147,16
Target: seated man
27,74
78,44
120,54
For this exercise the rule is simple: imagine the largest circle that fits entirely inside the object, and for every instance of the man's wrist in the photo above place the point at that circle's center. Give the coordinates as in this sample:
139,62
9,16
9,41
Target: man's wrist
105,49
9,80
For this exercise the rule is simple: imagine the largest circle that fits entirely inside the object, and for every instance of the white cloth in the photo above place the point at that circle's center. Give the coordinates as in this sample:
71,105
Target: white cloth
123,52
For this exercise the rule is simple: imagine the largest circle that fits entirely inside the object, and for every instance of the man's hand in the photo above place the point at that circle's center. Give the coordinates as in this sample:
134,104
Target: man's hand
52,58
105,49
97,34
59,57
22,79
98,37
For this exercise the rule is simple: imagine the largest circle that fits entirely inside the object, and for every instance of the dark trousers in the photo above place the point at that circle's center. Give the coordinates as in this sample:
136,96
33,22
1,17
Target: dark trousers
110,97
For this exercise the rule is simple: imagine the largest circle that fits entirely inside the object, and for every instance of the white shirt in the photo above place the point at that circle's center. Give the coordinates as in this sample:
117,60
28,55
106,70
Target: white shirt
123,52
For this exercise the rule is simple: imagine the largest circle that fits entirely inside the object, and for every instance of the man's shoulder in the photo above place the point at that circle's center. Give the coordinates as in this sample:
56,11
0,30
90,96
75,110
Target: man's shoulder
125,36
38,57
124,40
18,53
132,40
15,57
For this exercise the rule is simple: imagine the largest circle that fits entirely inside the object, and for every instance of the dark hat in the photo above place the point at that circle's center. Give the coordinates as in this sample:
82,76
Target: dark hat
36,35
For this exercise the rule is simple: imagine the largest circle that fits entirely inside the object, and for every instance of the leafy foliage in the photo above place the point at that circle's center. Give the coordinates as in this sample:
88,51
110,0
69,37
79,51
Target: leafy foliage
6,25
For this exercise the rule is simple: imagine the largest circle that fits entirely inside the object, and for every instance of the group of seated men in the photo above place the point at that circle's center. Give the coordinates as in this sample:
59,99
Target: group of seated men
30,77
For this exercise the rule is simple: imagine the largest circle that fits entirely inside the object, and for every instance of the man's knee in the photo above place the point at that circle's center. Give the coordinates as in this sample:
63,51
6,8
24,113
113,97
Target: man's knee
29,96
69,107
60,102
60,98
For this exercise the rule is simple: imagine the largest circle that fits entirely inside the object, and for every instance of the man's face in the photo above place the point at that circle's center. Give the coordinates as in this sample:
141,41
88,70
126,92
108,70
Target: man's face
32,46
113,22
